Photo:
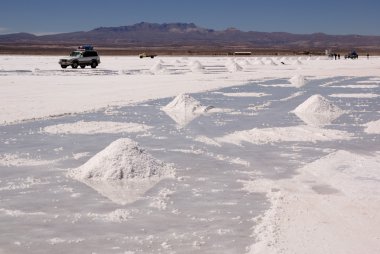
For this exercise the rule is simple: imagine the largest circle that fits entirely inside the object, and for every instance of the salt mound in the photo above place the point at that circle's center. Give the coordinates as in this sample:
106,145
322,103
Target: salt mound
196,66
317,110
233,66
246,62
298,80
122,160
185,103
157,67
298,62
122,172
184,108
271,62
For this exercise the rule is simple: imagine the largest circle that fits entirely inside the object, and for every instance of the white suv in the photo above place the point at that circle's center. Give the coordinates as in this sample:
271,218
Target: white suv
82,57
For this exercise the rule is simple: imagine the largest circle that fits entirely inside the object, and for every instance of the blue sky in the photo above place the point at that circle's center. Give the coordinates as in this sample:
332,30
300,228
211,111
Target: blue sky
295,16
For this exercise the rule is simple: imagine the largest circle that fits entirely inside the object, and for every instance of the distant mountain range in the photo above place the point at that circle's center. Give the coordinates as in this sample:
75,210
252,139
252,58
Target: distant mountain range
189,35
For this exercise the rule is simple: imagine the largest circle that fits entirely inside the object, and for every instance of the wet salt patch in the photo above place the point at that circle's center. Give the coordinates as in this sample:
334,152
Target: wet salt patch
220,157
207,141
371,81
57,240
355,95
301,133
372,127
160,202
23,183
356,86
94,127
259,107
22,160
118,215
294,95
246,94
78,156
18,213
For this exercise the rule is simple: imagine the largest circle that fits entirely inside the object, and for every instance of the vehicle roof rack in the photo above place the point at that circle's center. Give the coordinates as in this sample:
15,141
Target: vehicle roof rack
85,47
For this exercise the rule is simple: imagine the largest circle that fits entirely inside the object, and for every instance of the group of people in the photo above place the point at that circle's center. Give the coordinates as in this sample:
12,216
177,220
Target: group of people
353,55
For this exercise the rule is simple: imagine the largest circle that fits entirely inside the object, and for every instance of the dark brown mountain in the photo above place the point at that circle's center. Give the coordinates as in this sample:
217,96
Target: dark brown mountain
189,35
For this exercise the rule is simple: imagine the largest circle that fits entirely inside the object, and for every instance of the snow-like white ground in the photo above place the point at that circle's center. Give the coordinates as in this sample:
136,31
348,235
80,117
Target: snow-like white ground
190,155
34,87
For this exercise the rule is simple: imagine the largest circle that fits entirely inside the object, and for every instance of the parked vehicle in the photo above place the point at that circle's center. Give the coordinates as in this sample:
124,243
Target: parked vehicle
142,55
352,55
83,56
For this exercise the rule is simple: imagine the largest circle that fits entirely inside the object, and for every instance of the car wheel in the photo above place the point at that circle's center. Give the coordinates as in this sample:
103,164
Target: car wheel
64,66
74,65
93,64
83,66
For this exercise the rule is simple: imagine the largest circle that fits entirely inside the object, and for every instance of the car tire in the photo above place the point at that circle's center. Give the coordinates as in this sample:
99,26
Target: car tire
74,65
63,66
94,64
83,66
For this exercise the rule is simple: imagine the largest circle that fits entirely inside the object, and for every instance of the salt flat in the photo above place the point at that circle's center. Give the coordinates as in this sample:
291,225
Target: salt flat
36,87
190,155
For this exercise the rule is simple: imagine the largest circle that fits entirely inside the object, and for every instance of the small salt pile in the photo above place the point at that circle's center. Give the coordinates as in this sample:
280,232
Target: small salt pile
298,80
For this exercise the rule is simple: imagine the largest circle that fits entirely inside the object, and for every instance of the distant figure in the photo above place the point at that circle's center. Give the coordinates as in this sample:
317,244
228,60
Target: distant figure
338,56
367,55
335,56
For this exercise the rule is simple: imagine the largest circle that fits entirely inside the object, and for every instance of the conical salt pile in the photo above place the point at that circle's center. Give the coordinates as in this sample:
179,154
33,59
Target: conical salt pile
317,110
196,66
122,172
184,108
122,160
232,66
298,80
157,67
183,102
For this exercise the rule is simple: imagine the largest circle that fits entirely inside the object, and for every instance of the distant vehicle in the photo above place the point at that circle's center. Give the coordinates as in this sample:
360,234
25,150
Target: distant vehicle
142,55
83,56
352,55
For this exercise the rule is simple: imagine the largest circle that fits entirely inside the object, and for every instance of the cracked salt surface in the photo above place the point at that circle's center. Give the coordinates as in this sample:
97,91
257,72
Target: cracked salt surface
209,206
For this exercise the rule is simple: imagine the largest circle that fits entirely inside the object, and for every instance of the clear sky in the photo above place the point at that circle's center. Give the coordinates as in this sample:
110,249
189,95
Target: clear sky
295,16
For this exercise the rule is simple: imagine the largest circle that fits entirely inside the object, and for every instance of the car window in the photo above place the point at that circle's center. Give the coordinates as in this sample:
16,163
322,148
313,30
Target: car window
86,54
75,53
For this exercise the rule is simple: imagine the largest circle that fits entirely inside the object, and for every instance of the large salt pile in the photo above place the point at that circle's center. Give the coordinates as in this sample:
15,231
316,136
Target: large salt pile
298,80
184,108
122,171
317,110
122,160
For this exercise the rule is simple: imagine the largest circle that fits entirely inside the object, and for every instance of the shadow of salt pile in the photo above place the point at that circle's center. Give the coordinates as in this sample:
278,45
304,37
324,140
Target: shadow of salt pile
318,111
122,172
184,109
